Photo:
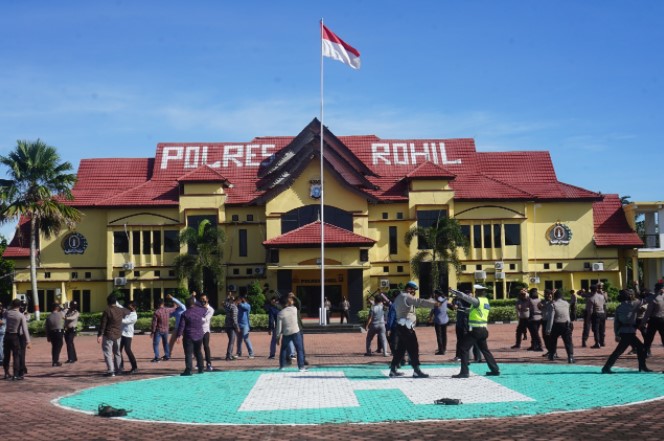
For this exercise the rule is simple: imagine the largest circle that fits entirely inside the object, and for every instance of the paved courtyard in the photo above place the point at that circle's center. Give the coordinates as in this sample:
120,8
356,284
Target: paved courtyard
348,392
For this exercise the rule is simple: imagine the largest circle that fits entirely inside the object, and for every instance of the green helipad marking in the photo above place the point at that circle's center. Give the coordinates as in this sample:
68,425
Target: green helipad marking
225,397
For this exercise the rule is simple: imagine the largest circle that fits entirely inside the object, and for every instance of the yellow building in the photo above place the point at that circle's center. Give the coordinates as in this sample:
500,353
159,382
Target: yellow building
523,224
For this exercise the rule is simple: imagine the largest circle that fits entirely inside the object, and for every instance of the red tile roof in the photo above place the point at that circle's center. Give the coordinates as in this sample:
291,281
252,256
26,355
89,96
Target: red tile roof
611,227
371,165
308,236
20,244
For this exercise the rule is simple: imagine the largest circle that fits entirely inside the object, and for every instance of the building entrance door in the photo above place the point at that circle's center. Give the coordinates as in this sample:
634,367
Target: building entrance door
310,298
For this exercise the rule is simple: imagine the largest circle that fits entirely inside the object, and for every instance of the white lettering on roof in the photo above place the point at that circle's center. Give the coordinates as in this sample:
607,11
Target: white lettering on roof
215,156
401,153
166,155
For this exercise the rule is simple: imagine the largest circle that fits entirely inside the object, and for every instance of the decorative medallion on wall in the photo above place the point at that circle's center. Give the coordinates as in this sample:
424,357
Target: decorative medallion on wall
74,243
559,234
316,189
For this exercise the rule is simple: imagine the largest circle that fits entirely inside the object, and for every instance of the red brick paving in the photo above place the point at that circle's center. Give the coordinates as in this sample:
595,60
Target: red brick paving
27,411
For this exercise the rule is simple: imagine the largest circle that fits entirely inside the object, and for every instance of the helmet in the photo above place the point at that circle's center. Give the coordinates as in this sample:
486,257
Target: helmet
412,285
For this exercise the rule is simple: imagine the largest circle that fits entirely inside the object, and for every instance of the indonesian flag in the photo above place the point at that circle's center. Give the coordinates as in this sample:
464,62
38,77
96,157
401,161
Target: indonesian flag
335,48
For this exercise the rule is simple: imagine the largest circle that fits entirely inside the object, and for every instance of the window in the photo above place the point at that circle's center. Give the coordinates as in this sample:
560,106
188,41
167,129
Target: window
147,242
311,213
546,266
120,242
236,271
242,237
171,273
400,215
487,236
47,275
88,275
274,256
385,216
512,234
426,219
136,242
512,266
121,274
399,268
248,271
393,240
74,275
157,273
477,236
156,242
463,267
465,230
386,269
559,265
364,255
478,267
497,236
137,274
553,284
235,218
250,218
171,241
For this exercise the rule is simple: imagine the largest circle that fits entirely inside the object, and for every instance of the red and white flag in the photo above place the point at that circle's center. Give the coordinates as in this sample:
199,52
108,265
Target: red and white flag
337,49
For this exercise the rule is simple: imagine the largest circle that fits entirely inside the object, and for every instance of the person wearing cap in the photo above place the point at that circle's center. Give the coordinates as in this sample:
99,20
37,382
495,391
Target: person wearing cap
54,327
438,316
478,318
404,305
559,324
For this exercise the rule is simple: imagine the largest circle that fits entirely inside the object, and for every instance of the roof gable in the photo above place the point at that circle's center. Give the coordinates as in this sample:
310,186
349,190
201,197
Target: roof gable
309,236
611,226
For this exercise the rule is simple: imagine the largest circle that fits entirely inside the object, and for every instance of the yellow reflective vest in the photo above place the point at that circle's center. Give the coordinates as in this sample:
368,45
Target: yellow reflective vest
479,315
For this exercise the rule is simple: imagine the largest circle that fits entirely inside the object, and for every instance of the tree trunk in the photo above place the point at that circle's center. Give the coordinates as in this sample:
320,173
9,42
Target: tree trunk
33,264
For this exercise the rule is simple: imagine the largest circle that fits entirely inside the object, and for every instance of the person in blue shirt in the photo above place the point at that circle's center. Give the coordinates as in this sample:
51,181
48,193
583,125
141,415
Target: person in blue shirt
177,314
243,310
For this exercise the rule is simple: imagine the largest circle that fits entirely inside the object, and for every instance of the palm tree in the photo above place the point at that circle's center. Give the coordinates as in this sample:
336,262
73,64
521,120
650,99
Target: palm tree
39,186
205,254
441,242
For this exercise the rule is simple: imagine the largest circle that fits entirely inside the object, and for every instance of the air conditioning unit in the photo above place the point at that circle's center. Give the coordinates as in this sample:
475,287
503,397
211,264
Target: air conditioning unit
128,266
534,279
259,270
500,275
480,275
120,281
232,288
598,266
499,266
384,283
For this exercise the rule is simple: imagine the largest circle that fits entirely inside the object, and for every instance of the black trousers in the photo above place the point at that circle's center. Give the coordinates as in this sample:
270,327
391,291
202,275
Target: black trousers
206,348
521,330
563,330
70,334
655,325
125,345
598,320
476,336
627,340
193,348
345,315
13,351
460,332
407,343
535,340
441,337
57,341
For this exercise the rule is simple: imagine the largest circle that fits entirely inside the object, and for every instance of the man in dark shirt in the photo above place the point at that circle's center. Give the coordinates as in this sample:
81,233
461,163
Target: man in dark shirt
110,334
191,332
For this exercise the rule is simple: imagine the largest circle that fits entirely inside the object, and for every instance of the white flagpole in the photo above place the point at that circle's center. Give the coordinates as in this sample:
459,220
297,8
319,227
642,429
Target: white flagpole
323,315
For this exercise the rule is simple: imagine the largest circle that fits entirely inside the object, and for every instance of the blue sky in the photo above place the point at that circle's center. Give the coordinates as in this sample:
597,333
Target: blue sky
583,80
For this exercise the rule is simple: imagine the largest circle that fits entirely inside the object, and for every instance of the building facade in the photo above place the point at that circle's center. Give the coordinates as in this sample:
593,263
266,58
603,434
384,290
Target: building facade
523,225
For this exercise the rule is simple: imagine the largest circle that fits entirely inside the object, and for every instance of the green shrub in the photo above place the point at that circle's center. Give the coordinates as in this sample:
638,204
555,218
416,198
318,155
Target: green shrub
143,324
502,313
